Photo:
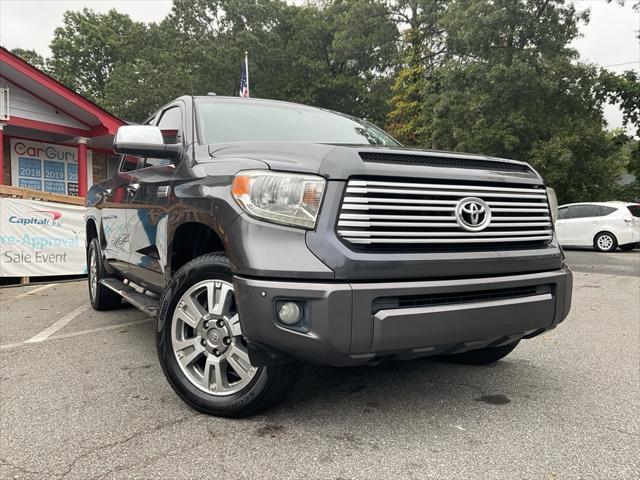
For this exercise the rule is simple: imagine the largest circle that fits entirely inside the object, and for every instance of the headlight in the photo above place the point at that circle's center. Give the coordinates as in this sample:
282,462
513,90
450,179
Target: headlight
286,198
553,203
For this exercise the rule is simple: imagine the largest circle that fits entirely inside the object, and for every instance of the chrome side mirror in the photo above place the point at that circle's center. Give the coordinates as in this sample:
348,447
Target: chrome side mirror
144,141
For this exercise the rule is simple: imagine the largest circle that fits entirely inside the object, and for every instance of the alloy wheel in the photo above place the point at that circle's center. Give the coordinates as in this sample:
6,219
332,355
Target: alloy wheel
207,340
93,273
605,242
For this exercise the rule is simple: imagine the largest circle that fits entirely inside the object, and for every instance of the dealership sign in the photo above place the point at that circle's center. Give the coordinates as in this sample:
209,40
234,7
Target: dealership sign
45,166
41,238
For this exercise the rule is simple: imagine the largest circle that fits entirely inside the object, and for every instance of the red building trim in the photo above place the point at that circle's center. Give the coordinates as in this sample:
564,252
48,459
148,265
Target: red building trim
82,167
43,100
102,123
109,121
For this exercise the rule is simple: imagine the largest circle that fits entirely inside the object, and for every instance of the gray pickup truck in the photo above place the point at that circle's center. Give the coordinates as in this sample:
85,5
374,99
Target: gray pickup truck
263,234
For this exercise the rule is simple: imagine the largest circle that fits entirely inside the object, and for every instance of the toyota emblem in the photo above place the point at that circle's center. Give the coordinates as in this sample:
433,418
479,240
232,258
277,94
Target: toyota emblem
473,214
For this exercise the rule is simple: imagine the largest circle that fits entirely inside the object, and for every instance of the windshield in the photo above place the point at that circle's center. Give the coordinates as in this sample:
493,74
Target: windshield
224,121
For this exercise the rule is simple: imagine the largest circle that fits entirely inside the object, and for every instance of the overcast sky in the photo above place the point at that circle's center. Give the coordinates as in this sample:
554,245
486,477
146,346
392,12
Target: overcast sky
610,39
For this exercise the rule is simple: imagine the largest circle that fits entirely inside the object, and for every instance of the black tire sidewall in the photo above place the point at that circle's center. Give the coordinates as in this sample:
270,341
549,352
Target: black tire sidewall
103,298
91,251
203,268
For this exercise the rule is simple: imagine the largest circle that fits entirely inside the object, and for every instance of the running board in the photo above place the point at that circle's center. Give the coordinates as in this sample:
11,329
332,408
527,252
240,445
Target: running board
139,300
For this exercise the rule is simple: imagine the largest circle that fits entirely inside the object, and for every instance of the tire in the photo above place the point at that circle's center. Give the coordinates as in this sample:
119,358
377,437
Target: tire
102,298
483,356
213,375
605,242
629,246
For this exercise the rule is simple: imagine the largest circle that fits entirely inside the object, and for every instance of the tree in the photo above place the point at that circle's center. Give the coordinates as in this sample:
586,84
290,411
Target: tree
335,54
32,57
509,85
422,44
622,89
406,119
89,46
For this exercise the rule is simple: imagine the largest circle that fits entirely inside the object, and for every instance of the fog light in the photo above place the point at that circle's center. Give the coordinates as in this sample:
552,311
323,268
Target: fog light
289,313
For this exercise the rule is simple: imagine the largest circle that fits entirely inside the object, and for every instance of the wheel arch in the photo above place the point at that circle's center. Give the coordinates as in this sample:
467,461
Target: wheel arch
91,231
190,240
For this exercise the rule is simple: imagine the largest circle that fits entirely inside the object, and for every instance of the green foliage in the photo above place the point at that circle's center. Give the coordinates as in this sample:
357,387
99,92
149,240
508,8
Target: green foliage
33,57
406,120
509,85
624,90
89,46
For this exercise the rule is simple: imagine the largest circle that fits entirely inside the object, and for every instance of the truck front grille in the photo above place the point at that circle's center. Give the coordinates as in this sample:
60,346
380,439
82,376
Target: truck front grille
376,213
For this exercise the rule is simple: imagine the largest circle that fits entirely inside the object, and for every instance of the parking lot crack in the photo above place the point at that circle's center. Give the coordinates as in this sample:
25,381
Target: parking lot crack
123,441
5,462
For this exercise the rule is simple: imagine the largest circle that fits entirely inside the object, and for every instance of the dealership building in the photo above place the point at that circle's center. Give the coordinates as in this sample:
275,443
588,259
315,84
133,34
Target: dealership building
52,140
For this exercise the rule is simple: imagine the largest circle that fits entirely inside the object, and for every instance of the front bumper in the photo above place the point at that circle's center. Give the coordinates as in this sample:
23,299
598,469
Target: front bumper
356,323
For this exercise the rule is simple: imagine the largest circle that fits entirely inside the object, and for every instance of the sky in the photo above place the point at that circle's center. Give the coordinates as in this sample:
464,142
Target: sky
610,38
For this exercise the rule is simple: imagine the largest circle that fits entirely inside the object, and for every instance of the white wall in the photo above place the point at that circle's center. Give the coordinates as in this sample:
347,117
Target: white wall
24,105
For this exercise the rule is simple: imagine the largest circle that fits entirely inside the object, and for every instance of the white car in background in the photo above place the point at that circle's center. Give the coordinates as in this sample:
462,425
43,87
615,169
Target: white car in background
601,225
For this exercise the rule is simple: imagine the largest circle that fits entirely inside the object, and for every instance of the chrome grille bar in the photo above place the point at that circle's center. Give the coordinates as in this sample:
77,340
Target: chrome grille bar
355,223
369,241
448,193
396,212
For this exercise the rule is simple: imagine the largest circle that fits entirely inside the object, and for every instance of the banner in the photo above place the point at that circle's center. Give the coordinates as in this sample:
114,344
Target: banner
40,239
45,166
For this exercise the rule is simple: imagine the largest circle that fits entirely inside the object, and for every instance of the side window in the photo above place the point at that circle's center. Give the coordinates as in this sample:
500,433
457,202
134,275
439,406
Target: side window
604,210
170,125
129,163
562,213
584,211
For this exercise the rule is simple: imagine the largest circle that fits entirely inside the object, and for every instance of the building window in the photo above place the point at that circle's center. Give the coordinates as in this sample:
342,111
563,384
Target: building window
45,166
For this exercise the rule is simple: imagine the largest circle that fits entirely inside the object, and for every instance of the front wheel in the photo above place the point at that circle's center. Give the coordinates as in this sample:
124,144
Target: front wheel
201,348
605,242
482,356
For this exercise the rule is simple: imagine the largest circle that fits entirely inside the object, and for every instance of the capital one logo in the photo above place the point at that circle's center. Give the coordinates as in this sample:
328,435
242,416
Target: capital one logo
473,214
42,218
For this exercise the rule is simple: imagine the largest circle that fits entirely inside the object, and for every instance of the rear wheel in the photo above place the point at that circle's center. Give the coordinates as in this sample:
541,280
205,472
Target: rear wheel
483,356
629,246
605,242
102,298
201,348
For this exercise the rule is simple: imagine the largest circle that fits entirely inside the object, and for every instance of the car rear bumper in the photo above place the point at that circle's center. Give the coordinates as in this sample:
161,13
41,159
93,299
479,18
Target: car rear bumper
356,323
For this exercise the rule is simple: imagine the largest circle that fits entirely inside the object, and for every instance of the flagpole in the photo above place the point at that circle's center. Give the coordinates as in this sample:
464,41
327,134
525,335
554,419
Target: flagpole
246,68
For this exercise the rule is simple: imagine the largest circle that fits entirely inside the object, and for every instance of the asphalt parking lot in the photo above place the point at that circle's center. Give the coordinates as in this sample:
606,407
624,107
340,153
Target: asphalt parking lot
82,396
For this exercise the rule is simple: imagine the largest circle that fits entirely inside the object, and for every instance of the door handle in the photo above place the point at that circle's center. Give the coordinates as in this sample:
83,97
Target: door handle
133,188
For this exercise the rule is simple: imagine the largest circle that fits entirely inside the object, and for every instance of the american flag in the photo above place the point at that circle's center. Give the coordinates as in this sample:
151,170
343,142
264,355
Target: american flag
244,78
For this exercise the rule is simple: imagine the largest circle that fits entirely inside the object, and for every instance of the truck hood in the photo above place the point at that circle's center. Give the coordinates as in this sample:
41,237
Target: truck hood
339,162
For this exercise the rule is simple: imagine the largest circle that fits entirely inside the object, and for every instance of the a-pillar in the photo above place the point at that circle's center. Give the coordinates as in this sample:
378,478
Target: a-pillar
82,167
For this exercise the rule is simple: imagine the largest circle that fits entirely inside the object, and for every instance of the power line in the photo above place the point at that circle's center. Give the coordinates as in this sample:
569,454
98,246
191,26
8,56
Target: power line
619,64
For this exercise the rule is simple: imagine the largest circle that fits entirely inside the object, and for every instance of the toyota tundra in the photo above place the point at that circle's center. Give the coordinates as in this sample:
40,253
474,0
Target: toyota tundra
264,234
